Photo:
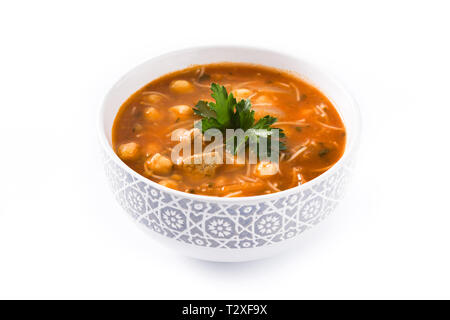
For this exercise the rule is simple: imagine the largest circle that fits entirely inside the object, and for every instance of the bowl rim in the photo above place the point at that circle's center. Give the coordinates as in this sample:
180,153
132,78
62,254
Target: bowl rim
350,146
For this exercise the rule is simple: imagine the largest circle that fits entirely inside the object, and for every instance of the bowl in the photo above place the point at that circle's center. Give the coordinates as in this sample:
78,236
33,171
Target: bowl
227,229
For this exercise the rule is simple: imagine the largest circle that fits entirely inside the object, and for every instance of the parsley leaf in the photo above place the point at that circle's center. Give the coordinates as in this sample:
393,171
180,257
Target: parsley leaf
265,122
227,113
203,110
209,123
244,116
224,106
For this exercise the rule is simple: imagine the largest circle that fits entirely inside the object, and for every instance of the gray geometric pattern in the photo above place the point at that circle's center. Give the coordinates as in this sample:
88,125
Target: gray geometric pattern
215,224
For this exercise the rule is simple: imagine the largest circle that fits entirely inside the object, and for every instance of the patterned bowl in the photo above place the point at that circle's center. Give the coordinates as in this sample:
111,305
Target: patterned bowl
227,229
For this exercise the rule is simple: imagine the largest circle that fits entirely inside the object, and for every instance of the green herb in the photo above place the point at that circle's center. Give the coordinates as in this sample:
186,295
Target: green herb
227,113
323,152
299,129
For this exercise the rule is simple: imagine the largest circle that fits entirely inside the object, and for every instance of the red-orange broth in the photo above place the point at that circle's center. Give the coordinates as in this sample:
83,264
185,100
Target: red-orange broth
315,134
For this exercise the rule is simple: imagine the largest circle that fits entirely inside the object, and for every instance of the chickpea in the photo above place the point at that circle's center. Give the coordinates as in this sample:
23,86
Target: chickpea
177,177
263,99
152,114
181,86
181,111
261,111
153,98
159,164
128,151
266,168
242,93
169,183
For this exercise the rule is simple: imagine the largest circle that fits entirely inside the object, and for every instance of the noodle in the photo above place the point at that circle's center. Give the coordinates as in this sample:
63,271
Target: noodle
282,84
198,84
155,92
261,104
202,71
248,169
248,179
233,194
297,92
273,187
295,155
294,123
252,95
330,127
320,110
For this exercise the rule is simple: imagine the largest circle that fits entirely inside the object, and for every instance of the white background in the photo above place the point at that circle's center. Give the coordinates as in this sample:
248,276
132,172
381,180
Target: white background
63,236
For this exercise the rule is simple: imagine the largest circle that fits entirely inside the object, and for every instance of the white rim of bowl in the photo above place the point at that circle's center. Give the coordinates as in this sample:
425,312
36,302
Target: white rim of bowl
349,146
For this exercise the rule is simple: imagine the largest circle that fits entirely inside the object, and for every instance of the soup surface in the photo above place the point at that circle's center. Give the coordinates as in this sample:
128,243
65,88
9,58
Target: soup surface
154,120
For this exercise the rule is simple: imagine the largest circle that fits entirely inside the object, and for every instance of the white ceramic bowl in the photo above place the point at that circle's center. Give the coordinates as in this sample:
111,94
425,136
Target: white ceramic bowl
227,229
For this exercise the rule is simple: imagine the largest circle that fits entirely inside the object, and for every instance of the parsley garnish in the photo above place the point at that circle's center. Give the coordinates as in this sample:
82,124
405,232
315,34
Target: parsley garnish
227,113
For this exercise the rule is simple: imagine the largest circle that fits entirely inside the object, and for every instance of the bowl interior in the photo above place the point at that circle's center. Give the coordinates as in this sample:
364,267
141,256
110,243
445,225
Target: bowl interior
156,67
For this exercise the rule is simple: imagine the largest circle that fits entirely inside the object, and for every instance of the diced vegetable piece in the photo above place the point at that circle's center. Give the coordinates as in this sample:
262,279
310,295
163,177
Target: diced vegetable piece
207,168
266,169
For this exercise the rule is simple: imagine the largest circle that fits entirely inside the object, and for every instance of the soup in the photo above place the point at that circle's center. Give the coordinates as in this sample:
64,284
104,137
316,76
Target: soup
166,113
